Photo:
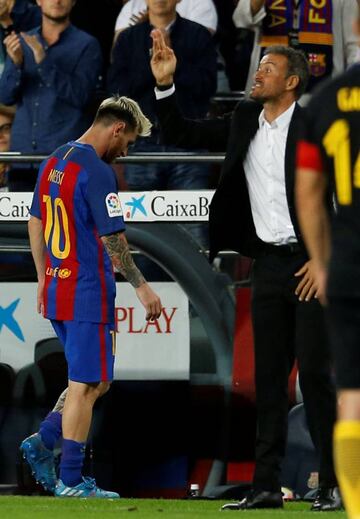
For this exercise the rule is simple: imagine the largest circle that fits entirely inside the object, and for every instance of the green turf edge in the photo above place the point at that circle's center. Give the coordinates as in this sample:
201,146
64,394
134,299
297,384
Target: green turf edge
19,507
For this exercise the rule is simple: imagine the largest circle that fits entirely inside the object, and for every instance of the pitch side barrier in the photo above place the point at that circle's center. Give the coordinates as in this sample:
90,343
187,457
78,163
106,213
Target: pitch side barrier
154,228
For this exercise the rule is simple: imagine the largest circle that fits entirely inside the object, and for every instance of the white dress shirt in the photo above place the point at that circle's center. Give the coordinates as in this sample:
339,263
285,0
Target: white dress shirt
200,11
264,168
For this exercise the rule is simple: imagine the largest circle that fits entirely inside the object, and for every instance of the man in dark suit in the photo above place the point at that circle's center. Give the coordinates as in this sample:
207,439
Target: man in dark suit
253,213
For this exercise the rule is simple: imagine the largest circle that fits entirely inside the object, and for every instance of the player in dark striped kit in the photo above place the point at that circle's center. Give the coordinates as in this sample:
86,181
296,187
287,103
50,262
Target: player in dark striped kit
329,161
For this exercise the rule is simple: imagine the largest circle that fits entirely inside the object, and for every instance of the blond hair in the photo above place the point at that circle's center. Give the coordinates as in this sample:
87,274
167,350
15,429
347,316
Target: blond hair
124,109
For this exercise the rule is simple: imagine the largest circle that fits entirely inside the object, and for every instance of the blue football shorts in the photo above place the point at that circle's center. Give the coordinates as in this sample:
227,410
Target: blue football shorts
89,349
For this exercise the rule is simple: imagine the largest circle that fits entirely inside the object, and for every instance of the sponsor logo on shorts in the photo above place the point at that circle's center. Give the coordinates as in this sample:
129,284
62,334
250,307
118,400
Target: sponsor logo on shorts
113,205
56,272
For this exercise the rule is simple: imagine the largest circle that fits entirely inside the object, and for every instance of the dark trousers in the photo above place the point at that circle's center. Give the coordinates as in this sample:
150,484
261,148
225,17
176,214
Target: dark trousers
286,329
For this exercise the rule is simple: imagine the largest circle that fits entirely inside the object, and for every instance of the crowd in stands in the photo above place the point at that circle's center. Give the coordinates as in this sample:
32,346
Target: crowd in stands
6,119
58,59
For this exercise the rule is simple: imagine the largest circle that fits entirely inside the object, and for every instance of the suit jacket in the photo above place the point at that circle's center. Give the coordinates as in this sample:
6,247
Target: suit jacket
231,222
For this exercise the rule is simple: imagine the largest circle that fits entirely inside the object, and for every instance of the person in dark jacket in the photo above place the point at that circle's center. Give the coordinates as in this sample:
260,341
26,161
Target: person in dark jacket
16,15
130,74
51,74
253,213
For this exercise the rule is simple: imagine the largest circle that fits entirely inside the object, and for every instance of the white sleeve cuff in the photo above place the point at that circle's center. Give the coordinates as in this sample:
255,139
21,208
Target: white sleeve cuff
161,94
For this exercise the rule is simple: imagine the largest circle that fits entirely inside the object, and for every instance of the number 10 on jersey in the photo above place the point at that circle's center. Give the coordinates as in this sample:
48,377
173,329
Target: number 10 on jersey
57,226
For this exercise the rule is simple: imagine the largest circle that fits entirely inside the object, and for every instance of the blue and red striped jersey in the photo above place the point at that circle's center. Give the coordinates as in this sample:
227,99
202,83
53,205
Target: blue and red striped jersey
76,199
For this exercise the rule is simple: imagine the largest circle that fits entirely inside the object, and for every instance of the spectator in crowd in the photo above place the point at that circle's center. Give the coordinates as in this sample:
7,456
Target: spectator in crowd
51,73
6,118
16,15
200,11
234,44
253,213
322,29
130,74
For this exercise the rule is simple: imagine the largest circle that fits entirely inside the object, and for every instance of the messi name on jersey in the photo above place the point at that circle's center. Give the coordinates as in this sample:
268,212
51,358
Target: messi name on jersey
56,176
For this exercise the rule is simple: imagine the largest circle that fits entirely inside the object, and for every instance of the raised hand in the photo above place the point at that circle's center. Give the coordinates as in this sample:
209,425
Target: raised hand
163,60
14,49
35,45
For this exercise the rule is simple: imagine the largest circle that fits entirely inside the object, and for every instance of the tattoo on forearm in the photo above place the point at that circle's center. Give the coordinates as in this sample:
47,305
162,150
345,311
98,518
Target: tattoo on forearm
59,406
121,258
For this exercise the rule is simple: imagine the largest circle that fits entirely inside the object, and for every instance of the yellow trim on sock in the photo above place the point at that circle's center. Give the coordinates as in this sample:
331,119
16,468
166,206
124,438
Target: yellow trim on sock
347,464
346,428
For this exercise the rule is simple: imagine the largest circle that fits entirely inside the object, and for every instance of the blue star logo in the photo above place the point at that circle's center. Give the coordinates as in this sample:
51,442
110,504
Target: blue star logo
137,205
7,319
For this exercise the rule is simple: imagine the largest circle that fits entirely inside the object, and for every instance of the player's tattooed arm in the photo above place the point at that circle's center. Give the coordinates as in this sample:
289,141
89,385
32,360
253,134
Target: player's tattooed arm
120,255
118,250
59,406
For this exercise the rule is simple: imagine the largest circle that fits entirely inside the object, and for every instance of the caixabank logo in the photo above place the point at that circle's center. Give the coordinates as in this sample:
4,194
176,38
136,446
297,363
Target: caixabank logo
9,320
15,206
135,207
168,206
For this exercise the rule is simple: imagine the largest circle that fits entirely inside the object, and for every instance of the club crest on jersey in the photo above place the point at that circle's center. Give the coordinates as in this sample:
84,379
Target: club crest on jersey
113,205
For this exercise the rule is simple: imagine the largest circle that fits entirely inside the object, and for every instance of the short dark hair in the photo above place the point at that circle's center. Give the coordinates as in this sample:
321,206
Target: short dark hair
297,65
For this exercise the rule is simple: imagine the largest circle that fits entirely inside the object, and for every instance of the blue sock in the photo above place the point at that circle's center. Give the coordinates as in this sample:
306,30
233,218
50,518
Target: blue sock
50,429
72,459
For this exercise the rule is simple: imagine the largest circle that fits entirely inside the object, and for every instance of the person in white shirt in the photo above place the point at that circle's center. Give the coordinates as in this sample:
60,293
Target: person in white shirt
200,11
322,29
252,212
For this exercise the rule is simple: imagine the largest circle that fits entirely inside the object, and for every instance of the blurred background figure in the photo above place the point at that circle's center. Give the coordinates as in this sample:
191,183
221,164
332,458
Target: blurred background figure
322,29
7,114
200,11
51,73
130,74
98,19
234,45
16,15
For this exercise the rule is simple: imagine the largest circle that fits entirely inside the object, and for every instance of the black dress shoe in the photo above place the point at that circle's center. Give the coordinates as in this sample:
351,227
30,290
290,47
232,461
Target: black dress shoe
257,499
327,500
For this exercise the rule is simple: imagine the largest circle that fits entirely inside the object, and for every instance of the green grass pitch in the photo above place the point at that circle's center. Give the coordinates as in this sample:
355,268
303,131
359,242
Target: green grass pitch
16,507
